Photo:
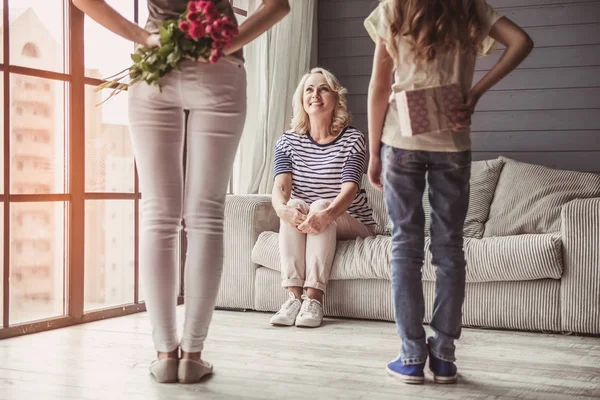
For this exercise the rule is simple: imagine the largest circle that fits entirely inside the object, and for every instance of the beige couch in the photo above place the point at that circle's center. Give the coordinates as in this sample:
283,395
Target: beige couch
532,243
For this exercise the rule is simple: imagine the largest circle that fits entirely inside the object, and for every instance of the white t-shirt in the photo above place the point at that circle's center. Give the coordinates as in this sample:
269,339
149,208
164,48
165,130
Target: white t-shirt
452,67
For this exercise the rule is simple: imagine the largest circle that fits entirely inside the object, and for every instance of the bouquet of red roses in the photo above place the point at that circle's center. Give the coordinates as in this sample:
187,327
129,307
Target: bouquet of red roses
200,32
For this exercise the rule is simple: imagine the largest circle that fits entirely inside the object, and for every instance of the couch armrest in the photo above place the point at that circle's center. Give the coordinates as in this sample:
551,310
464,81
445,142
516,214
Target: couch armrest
246,217
580,285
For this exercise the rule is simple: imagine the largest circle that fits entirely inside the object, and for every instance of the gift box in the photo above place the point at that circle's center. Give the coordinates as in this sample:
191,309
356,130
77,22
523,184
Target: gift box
428,110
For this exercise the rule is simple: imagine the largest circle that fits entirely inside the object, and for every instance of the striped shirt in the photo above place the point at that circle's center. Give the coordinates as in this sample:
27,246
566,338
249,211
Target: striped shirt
318,170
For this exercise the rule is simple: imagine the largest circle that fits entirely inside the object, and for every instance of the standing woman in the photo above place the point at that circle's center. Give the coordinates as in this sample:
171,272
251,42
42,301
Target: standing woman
215,95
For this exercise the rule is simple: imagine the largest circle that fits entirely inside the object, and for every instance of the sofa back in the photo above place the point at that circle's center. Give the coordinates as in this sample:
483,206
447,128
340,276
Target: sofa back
529,198
484,177
507,197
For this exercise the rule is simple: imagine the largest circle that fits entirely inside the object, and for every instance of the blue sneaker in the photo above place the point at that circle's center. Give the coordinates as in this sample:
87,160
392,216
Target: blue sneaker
443,371
412,374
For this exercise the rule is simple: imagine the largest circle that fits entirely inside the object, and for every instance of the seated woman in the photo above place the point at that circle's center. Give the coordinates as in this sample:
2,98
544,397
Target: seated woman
317,194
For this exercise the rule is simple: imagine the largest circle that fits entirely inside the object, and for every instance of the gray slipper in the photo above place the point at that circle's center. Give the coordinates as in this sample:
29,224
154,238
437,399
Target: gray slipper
165,370
191,371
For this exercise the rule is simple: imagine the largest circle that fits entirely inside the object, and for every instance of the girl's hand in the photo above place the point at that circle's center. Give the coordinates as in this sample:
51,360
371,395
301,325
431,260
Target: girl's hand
463,113
374,172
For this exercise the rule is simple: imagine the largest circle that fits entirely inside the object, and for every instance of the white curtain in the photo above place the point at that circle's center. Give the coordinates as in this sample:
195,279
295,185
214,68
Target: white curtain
275,62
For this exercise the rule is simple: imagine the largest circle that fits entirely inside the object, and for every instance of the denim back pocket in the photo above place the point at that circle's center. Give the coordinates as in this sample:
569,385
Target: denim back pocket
407,159
459,159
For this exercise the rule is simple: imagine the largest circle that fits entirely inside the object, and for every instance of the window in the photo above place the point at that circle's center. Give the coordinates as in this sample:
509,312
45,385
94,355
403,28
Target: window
64,215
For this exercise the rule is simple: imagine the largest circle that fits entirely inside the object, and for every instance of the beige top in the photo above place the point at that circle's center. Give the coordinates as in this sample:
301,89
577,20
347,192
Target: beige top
453,67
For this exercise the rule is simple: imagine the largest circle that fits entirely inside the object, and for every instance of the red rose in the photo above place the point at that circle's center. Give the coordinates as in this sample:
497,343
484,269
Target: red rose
197,31
218,25
203,5
210,11
184,26
215,55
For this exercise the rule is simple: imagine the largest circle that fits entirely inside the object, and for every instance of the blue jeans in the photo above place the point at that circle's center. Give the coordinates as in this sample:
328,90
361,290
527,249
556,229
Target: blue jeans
448,174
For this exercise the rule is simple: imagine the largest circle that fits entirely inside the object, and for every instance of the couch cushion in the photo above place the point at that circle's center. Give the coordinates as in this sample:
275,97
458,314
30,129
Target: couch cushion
507,258
529,197
354,259
511,258
484,177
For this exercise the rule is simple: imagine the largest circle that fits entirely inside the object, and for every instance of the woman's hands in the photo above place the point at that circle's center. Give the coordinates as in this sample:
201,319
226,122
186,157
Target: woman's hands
311,224
291,216
316,223
152,40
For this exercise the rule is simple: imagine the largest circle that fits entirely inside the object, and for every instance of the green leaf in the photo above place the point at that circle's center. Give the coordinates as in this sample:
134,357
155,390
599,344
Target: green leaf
152,59
165,34
136,58
154,76
165,50
134,73
146,67
174,57
187,45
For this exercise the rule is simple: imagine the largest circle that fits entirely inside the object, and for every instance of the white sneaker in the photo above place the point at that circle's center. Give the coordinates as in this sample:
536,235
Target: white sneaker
311,313
286,315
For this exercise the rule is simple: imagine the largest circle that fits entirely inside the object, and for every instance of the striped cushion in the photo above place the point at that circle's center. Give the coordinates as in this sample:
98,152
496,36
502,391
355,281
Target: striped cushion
529,198
508,258
514,258
484,177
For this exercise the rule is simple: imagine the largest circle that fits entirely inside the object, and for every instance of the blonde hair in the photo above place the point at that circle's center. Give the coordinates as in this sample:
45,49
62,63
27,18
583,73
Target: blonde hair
436,26
340,116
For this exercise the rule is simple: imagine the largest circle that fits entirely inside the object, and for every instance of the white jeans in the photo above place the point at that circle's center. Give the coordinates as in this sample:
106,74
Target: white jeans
306,260
215,95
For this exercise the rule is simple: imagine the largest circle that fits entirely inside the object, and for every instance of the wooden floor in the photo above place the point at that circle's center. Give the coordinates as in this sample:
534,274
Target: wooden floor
344,359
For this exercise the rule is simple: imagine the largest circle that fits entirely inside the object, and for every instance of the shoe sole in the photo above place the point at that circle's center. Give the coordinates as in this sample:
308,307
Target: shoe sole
281,324
444,379
411,380
307,325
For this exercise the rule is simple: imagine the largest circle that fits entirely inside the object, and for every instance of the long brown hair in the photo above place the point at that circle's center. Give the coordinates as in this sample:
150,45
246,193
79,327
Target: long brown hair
437,26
